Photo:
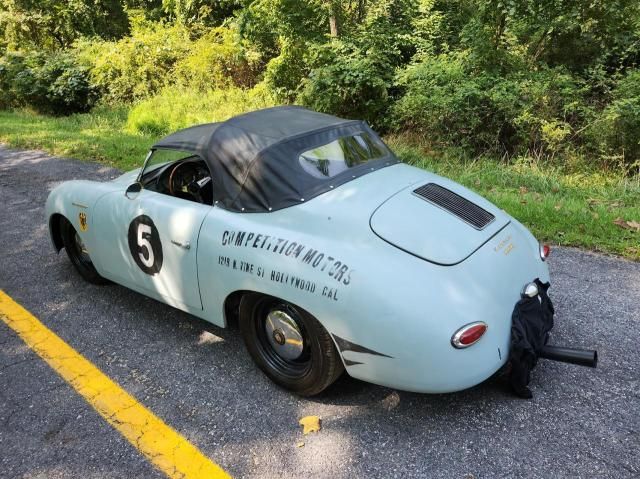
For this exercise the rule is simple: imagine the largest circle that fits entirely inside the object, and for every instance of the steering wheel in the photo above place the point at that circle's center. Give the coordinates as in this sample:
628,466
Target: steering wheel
193,187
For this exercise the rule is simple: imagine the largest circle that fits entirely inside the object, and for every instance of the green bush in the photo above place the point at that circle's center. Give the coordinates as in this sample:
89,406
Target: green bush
352,75
216,60
348,82
159,55
49,25
176,108
55,84
536,112
285,73
616,131
11,64
441,101
451,103
137,66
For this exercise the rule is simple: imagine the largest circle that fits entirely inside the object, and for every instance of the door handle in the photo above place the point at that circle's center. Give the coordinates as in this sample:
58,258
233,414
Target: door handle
185,245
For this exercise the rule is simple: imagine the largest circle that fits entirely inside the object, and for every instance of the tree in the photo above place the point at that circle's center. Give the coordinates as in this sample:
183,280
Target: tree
575,34
207,12
55,24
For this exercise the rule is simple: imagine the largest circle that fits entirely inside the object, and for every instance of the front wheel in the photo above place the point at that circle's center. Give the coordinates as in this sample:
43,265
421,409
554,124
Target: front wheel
78,253
288,344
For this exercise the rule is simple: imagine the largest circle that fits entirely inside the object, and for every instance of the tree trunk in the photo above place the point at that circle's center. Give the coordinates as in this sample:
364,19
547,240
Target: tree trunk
334,10
333,25
361,5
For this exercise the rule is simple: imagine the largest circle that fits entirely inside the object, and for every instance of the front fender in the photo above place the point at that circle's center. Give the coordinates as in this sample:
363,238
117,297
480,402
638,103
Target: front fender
74,200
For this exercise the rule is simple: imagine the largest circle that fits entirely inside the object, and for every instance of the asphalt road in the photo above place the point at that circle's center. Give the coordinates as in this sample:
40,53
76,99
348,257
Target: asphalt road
198,379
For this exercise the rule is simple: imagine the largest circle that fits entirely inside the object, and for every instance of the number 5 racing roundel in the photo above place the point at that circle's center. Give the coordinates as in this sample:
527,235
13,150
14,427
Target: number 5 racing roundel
145,245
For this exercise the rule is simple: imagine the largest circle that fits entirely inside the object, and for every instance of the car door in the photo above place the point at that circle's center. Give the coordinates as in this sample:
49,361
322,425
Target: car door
149,242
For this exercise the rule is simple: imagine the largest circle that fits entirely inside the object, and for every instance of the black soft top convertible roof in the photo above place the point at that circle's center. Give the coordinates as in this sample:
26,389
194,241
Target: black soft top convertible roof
254,158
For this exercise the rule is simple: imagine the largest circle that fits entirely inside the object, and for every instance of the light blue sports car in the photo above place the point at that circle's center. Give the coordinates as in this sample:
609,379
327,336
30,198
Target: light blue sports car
330,253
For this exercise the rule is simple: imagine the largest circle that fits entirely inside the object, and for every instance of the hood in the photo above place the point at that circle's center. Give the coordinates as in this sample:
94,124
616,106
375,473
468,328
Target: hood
438,220
128,177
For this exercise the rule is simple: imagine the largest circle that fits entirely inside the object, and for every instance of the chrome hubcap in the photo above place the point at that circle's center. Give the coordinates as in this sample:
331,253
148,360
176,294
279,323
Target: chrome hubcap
284,335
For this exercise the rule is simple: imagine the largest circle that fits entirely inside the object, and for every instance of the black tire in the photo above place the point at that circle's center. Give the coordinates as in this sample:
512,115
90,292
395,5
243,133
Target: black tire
319,363
79,258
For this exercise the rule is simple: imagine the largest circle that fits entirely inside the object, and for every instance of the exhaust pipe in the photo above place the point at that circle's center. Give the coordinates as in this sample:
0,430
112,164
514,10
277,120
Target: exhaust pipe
581,357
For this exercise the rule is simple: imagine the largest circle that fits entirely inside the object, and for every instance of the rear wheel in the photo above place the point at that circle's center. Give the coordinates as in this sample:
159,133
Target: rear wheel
288,344
78,253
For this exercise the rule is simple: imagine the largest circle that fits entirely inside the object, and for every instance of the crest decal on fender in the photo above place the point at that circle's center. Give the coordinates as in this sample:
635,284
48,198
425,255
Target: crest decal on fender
82,218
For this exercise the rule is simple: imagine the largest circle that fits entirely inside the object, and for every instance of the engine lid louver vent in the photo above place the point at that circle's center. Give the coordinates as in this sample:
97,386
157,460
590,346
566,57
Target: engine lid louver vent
452,202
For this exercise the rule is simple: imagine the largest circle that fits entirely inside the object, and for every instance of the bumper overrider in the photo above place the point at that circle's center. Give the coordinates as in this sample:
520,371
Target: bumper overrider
532,321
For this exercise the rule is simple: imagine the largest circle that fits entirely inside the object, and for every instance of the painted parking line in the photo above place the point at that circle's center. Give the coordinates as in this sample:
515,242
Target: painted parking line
162,446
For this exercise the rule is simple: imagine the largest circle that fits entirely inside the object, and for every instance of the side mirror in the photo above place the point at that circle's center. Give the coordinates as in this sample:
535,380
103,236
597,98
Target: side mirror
133,190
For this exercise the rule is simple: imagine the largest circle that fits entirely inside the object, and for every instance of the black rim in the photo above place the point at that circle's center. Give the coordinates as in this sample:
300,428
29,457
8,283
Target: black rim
291,368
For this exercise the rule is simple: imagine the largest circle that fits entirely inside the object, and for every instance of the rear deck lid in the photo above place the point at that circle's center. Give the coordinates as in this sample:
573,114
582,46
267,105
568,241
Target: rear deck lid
439,221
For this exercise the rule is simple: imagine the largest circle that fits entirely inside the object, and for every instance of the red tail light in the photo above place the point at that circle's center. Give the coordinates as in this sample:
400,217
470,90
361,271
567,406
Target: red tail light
468,335
545,251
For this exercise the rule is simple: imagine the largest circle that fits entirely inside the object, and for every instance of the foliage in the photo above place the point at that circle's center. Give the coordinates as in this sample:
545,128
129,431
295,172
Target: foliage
440,100
451,102
206,12
215,60
547,78
159,55
617,129
347,82
571,33
284,74
53,84
175,108
534,104
51,24
11,64
352,76
136,66
265,23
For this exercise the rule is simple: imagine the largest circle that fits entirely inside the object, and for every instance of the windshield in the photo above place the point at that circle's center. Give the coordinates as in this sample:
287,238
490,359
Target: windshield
160,157
331,159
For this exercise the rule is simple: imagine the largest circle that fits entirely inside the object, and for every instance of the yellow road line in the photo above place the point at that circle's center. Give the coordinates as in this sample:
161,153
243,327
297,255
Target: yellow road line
163,447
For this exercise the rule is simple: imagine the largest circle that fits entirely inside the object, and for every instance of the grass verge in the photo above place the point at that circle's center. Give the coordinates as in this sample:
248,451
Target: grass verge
100,136
574,206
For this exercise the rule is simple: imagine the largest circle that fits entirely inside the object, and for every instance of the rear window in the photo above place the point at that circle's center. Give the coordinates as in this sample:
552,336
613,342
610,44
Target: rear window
331,159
